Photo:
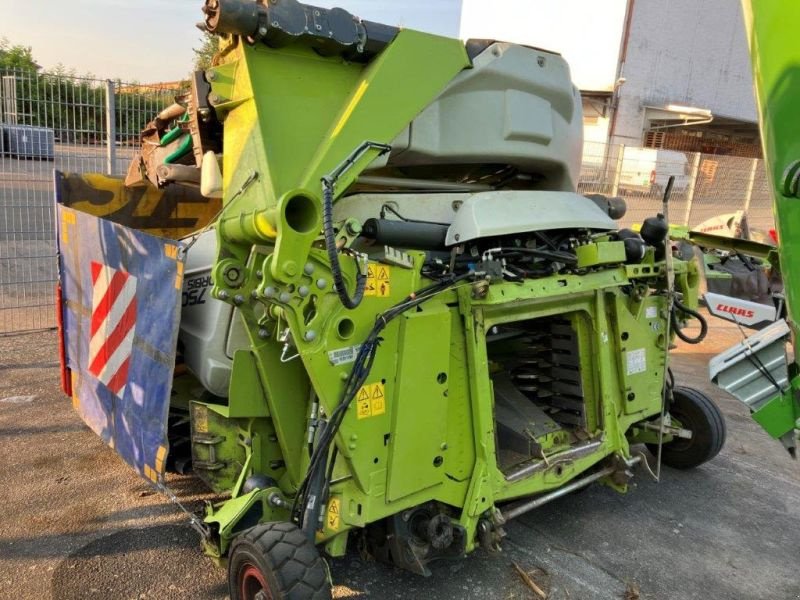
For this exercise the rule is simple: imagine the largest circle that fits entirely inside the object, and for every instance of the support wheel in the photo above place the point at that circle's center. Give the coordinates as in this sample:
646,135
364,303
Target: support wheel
696,412
276,561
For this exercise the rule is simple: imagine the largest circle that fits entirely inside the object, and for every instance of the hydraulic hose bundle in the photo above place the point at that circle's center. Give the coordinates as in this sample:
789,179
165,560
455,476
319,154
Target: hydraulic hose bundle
328,188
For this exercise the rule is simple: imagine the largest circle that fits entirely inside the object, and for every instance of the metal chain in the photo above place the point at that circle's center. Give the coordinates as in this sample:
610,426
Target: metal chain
195,521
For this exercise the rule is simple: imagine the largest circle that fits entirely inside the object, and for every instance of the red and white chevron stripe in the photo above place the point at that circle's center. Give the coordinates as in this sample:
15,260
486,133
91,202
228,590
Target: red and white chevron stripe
112,327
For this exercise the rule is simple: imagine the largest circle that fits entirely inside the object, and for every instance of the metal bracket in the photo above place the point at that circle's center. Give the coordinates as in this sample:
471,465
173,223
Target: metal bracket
668,429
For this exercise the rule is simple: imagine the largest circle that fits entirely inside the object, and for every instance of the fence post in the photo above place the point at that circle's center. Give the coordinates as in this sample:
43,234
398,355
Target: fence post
750,184
692,186
618,169
8,92
111,128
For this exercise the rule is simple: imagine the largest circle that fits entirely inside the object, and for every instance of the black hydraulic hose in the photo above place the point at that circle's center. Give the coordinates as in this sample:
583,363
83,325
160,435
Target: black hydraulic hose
333,253
328,185
692,313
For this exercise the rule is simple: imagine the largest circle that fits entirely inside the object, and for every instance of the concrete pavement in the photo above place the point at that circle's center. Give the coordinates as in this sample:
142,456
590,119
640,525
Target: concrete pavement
79,524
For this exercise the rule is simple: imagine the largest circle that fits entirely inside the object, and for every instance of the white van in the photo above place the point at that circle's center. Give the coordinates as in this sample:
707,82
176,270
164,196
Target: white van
647,170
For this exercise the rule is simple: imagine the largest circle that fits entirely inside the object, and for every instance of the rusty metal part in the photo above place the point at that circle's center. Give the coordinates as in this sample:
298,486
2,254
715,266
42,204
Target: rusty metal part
525,506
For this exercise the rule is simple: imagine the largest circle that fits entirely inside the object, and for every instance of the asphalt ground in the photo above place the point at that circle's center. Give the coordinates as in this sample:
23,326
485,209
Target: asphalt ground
78,524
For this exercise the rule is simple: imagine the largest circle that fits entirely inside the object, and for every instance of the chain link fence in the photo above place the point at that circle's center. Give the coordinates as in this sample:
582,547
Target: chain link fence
706,185
88,125
52,122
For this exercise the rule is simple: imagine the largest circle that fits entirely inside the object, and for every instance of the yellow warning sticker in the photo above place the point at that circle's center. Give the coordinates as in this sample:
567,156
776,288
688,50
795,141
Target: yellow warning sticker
378,281
334,517
371,400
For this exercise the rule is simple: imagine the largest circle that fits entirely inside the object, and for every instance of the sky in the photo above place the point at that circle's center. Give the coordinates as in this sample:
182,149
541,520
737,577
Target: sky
152,40
586,32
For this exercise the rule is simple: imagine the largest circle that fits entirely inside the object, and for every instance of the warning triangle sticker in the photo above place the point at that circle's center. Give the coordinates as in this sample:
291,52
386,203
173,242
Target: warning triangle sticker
383,274
378,393
363,395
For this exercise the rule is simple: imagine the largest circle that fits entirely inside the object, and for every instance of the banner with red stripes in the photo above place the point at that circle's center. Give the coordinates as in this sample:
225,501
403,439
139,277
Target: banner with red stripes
112,326
120,303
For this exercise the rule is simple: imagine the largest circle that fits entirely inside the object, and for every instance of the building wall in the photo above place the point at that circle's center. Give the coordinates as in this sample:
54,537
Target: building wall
685,52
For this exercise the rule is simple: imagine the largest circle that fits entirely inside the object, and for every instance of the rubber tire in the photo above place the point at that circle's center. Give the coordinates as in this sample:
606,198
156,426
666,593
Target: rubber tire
289,563
698,413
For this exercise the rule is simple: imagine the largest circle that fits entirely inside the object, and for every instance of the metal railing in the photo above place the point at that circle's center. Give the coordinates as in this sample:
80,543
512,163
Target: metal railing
49,122
706,185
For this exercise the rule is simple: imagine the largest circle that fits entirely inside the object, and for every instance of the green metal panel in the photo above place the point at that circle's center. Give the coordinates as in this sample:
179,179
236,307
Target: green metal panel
600,253
246,392
779,416
292,116
418,455
775,49
775,52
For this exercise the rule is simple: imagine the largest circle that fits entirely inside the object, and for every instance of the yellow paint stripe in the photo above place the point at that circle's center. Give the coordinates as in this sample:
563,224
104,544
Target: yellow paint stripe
171,251
67,218
150,473
179,277
362,89
160,456
76,402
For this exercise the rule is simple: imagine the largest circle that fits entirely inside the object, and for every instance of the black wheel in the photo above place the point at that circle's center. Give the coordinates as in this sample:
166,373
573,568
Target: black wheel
276,561
696,412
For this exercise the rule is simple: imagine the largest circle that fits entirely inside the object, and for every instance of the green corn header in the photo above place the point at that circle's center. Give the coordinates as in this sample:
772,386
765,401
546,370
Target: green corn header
401,325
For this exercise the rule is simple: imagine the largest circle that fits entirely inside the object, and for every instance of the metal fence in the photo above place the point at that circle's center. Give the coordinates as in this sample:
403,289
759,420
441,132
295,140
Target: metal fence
92,125
706,185
78,125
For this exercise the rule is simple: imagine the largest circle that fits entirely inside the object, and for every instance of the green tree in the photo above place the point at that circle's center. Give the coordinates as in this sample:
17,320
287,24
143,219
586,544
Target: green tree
16,56
204,55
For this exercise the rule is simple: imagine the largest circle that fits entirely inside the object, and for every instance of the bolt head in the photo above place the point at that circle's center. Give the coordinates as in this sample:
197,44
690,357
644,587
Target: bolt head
308,269
303,291
269,292
322,283
285,297
263,334
238,299
310,335
290,268
222,295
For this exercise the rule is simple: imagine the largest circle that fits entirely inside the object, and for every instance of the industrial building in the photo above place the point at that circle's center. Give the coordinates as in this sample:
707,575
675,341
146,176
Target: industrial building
672,75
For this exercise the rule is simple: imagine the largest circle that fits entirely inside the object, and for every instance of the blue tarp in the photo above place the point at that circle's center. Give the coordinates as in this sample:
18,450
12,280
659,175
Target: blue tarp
121,298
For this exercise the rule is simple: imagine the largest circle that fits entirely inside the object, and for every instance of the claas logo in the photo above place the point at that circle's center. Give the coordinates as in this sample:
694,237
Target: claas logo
735,310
